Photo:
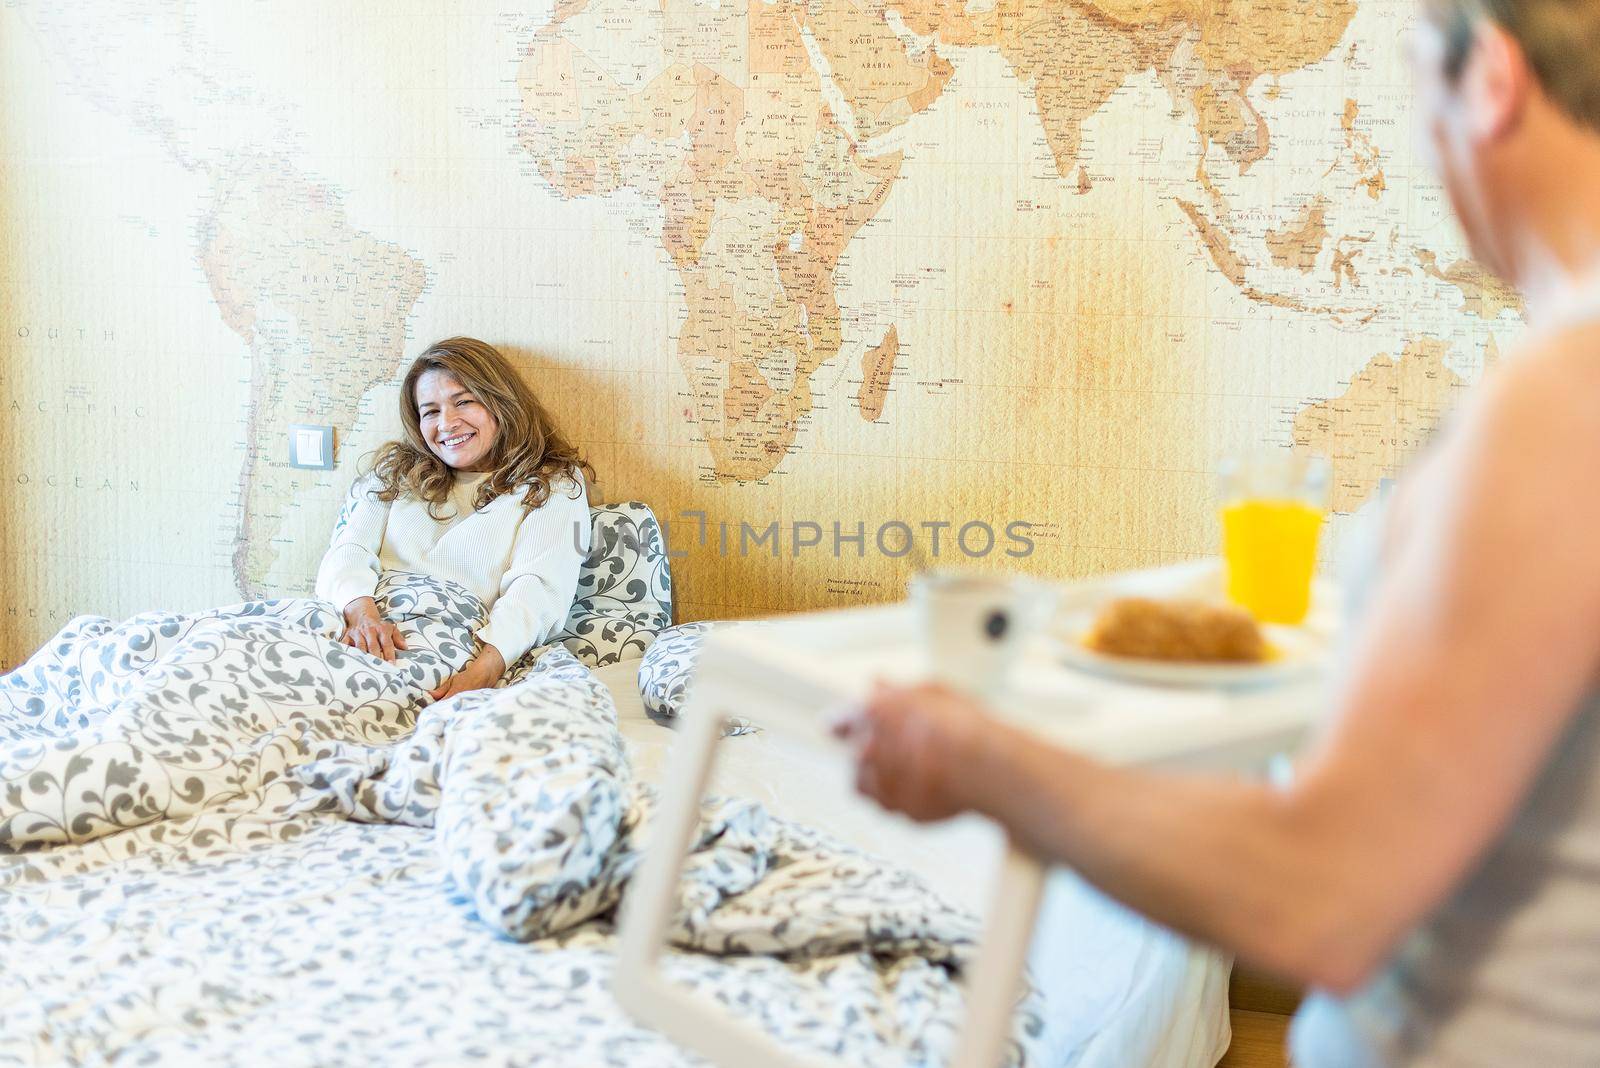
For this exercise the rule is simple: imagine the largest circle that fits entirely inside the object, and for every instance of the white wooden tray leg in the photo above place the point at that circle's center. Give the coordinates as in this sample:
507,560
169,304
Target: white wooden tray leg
648,905
995,978
640,986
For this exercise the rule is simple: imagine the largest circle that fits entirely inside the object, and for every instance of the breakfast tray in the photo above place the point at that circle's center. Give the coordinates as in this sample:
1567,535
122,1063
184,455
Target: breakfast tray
794,674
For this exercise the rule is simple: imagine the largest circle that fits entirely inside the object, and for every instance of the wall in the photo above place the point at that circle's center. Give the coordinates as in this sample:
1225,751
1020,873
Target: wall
776,263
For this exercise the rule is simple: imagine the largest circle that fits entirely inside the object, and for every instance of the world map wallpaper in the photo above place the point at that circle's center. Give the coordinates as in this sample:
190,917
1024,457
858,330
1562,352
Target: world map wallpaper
839,288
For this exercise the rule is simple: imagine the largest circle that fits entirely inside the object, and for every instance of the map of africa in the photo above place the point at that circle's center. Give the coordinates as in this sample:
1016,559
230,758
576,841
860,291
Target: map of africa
841,266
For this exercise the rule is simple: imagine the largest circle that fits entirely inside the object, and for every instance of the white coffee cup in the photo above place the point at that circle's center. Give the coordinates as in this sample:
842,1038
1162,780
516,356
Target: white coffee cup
974,625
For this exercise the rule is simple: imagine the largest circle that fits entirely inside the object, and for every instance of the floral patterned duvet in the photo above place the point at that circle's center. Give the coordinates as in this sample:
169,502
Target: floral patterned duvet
225,838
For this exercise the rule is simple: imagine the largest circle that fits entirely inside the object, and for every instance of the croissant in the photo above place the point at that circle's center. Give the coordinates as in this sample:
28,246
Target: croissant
1176,630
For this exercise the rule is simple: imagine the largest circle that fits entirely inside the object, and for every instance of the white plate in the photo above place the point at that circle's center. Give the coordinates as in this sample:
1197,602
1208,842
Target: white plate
1298,653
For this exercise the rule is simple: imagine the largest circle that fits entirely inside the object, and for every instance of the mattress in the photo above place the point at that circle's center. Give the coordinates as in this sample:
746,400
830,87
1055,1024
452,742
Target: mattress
1120,991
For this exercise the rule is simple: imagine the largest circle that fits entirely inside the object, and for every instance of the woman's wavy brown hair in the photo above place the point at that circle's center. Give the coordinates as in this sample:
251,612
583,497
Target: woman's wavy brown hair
528,455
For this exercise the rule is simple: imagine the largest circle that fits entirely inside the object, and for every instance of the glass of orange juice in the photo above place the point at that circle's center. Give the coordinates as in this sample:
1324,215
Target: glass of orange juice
1272,509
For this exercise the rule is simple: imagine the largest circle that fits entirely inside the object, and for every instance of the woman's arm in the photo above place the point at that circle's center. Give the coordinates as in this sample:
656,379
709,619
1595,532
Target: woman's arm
541,579
348,574
1480,646
536,590
350,569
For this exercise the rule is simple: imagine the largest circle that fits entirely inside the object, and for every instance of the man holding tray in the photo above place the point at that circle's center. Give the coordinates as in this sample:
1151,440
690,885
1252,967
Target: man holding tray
1434,871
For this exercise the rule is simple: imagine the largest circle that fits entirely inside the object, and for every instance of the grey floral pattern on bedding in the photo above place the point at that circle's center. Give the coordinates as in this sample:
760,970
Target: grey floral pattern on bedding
226,838
624,594
667,668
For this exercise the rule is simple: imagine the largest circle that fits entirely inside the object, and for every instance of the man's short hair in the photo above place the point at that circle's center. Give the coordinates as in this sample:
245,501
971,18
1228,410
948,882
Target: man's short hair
1561,39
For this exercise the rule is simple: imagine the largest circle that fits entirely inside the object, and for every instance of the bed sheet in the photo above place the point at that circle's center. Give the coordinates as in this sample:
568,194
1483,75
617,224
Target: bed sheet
1120,991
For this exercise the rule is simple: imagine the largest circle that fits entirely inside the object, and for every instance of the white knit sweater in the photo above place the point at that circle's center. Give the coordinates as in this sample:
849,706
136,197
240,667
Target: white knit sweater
523,565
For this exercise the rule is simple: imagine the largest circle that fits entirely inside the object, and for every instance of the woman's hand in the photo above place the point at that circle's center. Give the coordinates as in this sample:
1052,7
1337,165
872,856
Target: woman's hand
481,672
366,630
916,748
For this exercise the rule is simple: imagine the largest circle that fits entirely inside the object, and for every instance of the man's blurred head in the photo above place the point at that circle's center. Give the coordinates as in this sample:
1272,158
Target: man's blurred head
1505,88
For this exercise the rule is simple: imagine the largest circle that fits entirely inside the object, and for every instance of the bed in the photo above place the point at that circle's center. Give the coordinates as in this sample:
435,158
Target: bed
204,864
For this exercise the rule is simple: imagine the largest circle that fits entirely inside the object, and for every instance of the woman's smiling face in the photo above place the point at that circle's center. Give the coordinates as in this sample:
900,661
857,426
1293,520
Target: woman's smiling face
457,426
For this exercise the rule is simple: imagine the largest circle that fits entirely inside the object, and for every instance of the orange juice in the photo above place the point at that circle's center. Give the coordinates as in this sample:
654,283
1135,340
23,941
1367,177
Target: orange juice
1270,548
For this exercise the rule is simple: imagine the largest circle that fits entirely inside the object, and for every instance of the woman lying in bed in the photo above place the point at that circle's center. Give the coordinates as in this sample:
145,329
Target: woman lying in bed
483,491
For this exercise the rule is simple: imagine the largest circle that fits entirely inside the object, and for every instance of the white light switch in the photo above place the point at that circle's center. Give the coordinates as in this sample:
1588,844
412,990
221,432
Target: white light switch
311,446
